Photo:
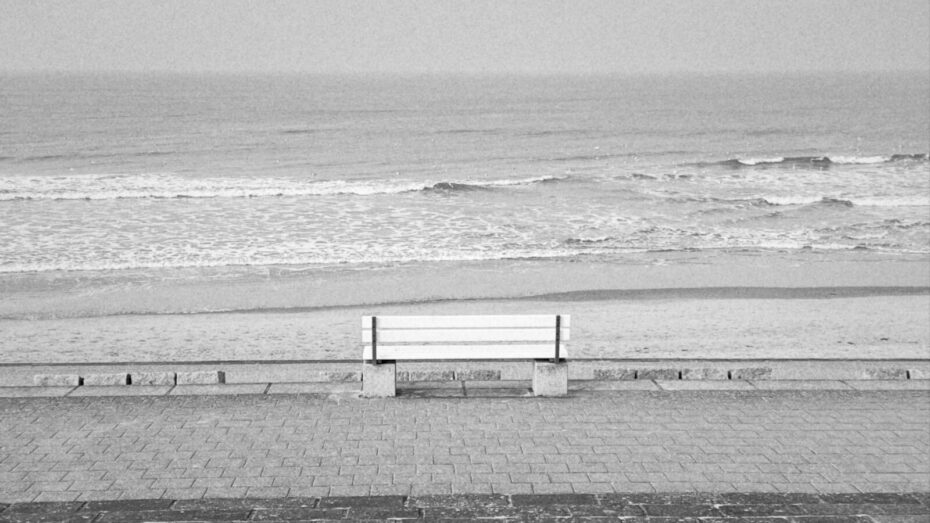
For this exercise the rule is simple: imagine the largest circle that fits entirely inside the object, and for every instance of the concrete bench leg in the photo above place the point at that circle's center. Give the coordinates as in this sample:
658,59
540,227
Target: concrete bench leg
378,381
550,379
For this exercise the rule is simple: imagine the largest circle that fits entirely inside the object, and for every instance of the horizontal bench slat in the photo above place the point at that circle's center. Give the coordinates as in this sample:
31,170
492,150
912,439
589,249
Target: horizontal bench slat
462,335
466,321
463,352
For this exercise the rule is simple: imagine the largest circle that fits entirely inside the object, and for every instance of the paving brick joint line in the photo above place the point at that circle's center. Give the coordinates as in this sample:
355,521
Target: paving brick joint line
298,446
573,507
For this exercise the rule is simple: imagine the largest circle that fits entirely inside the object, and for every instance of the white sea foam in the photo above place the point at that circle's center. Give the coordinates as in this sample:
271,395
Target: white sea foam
866,201
322,259
758,161
859,160
893,201
111,187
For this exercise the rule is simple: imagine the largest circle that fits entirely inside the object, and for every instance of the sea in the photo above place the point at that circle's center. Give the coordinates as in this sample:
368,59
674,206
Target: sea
150,177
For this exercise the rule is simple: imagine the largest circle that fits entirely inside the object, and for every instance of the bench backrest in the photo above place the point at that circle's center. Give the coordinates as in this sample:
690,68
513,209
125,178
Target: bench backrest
525,336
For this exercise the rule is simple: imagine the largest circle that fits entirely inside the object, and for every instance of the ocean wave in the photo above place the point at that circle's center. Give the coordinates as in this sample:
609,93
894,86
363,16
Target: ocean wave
322,260
881,225
779,201
83,156
300,131
167,186
808,200
589,241
817,161
447,187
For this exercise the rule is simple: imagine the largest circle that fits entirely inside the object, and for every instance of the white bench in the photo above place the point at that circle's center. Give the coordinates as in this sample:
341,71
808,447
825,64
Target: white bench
537,337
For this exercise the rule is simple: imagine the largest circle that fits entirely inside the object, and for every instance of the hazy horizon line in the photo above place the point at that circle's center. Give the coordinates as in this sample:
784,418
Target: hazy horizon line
605,73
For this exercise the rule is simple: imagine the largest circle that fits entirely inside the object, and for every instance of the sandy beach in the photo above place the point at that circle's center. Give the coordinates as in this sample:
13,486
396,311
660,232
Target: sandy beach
859,310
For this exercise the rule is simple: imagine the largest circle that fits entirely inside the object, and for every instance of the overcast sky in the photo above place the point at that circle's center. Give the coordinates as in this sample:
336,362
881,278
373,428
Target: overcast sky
495,36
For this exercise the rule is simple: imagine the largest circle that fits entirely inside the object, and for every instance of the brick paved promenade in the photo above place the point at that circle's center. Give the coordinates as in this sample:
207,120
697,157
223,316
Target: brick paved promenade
68,449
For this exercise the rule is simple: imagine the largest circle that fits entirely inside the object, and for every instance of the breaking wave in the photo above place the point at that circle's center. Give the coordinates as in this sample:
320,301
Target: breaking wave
794,201
167,186
817,161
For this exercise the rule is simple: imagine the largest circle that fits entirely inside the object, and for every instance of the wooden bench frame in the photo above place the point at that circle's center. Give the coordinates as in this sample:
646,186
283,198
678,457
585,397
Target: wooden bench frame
537,337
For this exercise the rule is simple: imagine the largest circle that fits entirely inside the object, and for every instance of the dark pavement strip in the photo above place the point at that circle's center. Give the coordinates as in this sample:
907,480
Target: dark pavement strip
761,507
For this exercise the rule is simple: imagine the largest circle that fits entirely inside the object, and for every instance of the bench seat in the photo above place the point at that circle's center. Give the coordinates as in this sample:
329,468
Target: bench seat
538,337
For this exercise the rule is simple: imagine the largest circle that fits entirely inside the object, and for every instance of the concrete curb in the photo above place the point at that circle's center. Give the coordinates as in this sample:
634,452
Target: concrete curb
462,389
160,374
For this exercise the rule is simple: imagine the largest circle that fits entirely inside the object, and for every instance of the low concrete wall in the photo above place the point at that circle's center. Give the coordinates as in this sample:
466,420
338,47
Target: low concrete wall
609,370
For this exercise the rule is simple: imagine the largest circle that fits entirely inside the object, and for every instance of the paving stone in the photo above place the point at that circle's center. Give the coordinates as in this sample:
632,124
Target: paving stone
43,508
877,384
106,380
898,519
522,500
298,514
434,392
49,517
603,385
471,513
152,378
127,505
498,384
316,388
178,493
755,511
874,498
488,392
382,514
462,501
704,385
56,380
677,511
172,515
800,385
844,509
218,390
101,391
350,490
34,392
359,502
201,377
766,498
658,498
899,509
763,440
438,385
143,493
262,492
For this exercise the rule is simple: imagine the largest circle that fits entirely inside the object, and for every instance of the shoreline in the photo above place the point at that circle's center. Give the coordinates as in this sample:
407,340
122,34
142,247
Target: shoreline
683,293
275,289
